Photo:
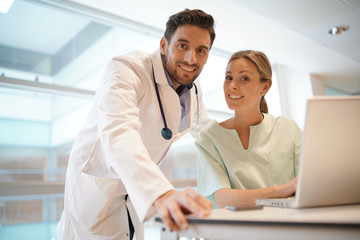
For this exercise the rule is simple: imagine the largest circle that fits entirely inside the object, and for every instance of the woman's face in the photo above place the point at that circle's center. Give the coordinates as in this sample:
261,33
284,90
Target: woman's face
242,87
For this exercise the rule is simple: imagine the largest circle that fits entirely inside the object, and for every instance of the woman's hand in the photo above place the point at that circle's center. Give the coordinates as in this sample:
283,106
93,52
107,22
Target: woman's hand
247,197
287,189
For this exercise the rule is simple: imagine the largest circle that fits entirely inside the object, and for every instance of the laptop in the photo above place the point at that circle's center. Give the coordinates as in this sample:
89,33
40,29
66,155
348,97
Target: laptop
329,166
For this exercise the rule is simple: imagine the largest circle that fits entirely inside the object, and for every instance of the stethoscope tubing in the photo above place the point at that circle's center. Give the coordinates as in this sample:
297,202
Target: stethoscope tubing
159,100
166,132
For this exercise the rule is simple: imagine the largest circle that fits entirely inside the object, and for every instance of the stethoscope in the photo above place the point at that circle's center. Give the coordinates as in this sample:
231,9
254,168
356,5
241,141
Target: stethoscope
166,133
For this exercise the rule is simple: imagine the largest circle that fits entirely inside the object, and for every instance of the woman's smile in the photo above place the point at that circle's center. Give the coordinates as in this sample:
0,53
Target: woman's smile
232,96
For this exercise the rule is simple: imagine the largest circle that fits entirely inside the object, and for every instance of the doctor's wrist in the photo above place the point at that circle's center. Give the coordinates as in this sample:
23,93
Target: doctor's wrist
162,199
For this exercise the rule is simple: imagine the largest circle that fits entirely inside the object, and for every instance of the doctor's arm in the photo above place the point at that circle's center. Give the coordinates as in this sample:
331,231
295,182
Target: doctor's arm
174,205
120,126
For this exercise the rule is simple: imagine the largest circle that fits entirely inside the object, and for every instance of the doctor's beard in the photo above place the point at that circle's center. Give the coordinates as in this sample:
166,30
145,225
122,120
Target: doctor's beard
175,77
179,80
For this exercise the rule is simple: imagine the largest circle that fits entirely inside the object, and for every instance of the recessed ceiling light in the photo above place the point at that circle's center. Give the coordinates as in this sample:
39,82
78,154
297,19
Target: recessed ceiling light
338,30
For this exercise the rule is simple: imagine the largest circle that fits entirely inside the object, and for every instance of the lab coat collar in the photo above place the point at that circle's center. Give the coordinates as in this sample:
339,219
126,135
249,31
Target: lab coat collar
160,76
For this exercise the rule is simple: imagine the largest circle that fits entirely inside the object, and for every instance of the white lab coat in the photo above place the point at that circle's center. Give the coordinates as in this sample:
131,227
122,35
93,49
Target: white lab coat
118,150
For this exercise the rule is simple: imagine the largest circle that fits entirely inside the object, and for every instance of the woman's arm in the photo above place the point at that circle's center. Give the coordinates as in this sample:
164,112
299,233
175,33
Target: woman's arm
239,198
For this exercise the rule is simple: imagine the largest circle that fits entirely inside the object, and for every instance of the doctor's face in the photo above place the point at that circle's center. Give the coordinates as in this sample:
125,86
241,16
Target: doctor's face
186,54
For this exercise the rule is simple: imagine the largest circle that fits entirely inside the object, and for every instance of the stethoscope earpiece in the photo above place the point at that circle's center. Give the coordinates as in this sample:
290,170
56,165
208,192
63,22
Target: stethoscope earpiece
166,133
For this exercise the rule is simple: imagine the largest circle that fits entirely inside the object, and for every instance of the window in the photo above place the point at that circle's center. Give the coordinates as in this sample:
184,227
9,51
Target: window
58,53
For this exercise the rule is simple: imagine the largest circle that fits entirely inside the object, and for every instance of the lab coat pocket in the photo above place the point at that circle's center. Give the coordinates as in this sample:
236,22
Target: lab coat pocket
282,166
92,199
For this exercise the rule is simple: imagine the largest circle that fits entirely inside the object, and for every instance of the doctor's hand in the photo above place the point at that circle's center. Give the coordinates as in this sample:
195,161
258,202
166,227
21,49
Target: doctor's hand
174,205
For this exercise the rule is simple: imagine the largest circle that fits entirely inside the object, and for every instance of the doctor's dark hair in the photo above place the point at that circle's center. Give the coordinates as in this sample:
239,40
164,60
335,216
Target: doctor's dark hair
262,64
192,17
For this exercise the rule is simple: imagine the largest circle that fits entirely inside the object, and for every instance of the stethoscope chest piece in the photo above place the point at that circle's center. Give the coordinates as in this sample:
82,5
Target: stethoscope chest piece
166,133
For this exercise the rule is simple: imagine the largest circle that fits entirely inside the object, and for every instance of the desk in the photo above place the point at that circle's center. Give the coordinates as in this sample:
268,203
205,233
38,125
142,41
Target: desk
336,222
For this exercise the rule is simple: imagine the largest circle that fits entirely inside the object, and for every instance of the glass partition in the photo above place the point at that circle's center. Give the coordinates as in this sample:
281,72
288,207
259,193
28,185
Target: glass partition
51,62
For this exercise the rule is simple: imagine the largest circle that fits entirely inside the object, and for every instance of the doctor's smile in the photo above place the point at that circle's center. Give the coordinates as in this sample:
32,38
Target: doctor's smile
188,68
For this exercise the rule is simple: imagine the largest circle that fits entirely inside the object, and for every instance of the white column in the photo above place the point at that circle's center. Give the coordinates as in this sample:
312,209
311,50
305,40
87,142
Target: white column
318,85
295,88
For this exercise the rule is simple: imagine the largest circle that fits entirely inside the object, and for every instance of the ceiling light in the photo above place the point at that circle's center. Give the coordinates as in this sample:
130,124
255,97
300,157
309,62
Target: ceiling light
338,30
5,5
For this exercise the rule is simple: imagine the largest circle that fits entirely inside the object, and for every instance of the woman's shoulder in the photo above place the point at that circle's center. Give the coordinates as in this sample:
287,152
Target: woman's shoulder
281,122
209,128
212,130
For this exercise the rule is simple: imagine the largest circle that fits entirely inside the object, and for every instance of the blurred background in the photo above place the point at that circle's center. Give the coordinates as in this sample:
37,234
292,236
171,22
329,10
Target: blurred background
53,54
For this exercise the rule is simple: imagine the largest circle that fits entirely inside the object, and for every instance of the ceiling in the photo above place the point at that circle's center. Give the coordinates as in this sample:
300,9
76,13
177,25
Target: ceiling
14,25
313,19
290,32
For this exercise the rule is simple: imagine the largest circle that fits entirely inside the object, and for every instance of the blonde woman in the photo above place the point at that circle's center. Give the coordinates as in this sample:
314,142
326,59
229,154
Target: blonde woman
253,154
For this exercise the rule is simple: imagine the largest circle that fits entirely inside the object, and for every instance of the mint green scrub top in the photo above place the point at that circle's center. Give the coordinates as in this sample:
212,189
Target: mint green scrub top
271,158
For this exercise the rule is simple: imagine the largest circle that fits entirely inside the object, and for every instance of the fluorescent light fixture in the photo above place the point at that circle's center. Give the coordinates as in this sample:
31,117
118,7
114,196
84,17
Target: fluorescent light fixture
5,5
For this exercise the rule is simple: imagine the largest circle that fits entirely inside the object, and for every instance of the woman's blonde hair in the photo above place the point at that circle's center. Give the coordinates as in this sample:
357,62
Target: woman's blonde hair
262,63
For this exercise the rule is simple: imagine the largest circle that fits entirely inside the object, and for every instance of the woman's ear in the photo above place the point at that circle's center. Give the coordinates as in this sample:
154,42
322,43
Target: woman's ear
163,45
266,88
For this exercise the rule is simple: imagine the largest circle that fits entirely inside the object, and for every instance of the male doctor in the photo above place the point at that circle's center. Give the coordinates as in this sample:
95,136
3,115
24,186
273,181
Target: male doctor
144,104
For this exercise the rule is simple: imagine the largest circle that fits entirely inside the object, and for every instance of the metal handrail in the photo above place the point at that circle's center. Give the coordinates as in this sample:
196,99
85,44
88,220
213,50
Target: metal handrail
9,189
